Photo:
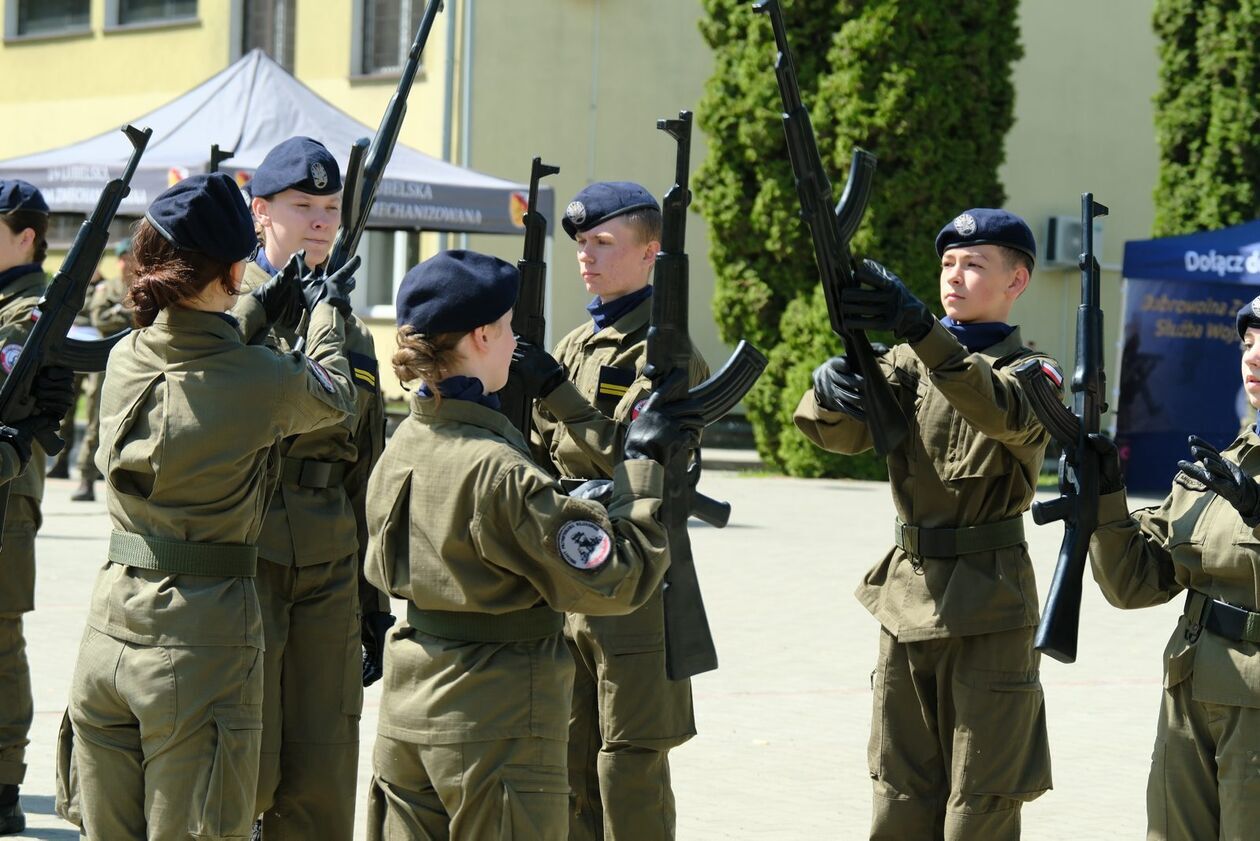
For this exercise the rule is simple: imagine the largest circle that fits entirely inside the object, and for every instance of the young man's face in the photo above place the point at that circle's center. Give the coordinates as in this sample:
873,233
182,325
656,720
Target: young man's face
977,283
1251,365
614,260
293,220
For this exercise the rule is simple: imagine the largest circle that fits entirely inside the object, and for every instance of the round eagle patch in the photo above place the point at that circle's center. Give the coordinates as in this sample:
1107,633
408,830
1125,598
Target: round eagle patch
583,544
965,224
576,211
1255,307
319,175
8,357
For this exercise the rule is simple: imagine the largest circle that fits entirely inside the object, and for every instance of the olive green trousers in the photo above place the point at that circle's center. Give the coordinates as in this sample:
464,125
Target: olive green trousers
312,699
626,716
166,739
958,737
1205,770
17,596
510,789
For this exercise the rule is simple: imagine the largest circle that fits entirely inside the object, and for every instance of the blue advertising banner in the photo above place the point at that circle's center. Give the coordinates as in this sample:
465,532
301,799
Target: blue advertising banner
1180,360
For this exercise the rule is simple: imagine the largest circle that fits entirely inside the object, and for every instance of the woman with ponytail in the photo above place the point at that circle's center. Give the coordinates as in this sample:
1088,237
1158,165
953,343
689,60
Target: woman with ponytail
166,697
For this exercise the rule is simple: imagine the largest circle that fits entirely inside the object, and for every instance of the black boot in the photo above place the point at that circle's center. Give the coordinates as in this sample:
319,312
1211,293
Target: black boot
84,493
12,820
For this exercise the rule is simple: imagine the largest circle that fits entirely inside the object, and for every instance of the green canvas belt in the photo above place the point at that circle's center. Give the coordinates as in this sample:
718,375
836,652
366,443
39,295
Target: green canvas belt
532,623
309,473
949,543
1221,618
225,560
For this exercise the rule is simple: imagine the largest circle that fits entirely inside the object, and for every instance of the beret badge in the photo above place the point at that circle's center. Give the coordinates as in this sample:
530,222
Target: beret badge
576,212
965,224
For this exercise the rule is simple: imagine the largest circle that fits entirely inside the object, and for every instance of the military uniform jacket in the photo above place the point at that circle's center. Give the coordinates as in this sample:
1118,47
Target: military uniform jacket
309,525
461,519
580,428
1194,540
190,417
105,306
972,456
18,300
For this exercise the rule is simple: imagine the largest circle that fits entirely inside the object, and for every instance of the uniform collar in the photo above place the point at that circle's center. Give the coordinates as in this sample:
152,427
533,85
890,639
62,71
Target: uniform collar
428,411
22,281
636,319
261,261
977,336
180,320
460,387
1009,345
606,314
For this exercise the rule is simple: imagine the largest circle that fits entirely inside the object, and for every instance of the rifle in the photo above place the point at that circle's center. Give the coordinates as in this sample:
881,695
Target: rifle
366,170
689,648
1078,468
528,318
831,235
218,156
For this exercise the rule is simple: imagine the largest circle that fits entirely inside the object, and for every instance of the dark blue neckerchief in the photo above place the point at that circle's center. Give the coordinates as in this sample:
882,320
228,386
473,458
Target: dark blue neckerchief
263,263
229,318
978,335
608,314
9,275
460,387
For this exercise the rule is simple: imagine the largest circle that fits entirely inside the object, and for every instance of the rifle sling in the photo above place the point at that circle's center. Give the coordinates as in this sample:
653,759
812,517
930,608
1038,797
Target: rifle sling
532,623
949,543
1221,618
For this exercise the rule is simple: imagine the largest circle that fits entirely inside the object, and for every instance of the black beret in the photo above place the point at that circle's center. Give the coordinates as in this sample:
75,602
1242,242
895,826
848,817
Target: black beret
1248,317
455,291
987,226
604,200
298,163
206,214
16,194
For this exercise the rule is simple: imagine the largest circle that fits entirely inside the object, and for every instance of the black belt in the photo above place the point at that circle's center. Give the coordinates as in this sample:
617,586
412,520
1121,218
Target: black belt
949,543
309,473
1221,618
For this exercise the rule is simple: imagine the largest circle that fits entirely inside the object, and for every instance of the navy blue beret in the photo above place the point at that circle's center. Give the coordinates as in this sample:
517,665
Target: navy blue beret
298,163
603,200
1248,317
16,194
987,226
206,214
455,291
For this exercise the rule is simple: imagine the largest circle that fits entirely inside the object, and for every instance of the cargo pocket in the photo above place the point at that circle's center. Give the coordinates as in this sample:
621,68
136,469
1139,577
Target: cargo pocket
227,805
638,703
971,455
535,803
67,803
875,746
1003,746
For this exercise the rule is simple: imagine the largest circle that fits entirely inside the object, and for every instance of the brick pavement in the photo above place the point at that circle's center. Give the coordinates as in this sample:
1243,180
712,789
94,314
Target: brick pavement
783,723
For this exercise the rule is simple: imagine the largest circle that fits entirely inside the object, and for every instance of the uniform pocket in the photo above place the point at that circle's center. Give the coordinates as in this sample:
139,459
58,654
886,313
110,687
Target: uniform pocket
535,803
638,703
227,806
67,803
971,455
1003,747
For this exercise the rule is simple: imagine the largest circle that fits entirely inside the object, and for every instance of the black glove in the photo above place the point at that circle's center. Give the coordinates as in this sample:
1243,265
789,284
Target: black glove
373,629
596,490
839,388
887,305
539,372
281,296
1225,477
663,430
334,288
19,438
1110,478
53,391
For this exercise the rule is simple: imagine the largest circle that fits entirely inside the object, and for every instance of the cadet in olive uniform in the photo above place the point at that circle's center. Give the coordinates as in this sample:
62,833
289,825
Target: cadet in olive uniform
314,537
958,734
109,314
489,551
166,699
23,246
626,713
1203,539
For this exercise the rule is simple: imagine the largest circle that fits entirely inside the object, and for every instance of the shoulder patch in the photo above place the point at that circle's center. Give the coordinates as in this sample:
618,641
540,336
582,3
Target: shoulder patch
614,382
8,357
1052,372
321,375
364,370
583,544
1189,482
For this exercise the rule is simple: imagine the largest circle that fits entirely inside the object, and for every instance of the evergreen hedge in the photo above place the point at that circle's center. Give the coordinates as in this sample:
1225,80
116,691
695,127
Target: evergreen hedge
1207,117
926,88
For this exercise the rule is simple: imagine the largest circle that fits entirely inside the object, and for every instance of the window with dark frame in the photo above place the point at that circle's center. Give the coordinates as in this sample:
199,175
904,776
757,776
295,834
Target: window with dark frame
48,17
388,28
269,26
155,11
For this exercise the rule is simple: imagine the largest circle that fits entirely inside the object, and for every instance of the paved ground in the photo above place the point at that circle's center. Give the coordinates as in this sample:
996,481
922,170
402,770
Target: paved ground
784,722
